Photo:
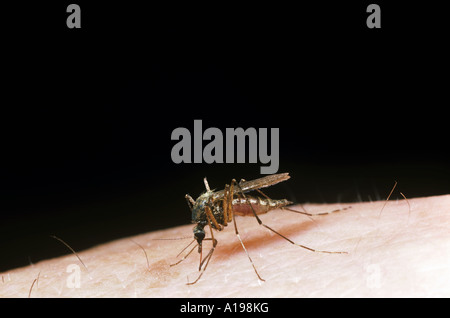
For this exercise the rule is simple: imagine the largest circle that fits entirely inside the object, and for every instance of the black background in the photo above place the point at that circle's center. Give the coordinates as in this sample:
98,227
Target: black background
87,114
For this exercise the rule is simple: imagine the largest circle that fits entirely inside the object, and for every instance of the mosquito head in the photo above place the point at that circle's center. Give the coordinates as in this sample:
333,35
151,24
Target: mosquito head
199,235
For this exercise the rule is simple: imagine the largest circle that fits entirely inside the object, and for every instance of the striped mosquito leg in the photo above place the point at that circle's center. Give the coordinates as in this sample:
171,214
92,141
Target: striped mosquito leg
279,234
206,259
225,204
230,202
245,249
187,254
315,214
239,237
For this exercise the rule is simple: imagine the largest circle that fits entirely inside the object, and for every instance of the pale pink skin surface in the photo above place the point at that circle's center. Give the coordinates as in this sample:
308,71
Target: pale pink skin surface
405,252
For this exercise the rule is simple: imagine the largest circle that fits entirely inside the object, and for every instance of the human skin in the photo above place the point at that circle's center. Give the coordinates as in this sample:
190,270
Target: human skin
394,249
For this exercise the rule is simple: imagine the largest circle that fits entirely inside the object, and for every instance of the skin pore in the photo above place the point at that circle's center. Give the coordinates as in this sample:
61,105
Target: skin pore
404,251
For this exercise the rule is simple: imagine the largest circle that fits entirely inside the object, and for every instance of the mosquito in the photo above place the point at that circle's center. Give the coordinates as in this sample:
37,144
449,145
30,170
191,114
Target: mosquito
217,209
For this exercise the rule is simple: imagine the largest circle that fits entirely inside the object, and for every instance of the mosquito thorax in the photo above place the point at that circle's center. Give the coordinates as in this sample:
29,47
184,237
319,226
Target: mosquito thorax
198,209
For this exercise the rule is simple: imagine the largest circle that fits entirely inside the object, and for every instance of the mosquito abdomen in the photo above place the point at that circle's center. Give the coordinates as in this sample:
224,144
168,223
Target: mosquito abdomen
243,206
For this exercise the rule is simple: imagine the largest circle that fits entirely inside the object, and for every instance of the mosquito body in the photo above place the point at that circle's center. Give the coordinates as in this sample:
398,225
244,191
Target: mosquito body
210,205
216,209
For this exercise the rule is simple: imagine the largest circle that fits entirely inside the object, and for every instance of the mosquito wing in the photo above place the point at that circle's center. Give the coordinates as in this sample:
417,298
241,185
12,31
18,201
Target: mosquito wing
263,182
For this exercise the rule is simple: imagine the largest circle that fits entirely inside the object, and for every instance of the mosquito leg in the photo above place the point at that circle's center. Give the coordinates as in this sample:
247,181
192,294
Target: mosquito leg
230,202
207,259
315,214
279,234
236,229
209,253
185,256
246,252
263,194
212,219
260,192
225,204
288,202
